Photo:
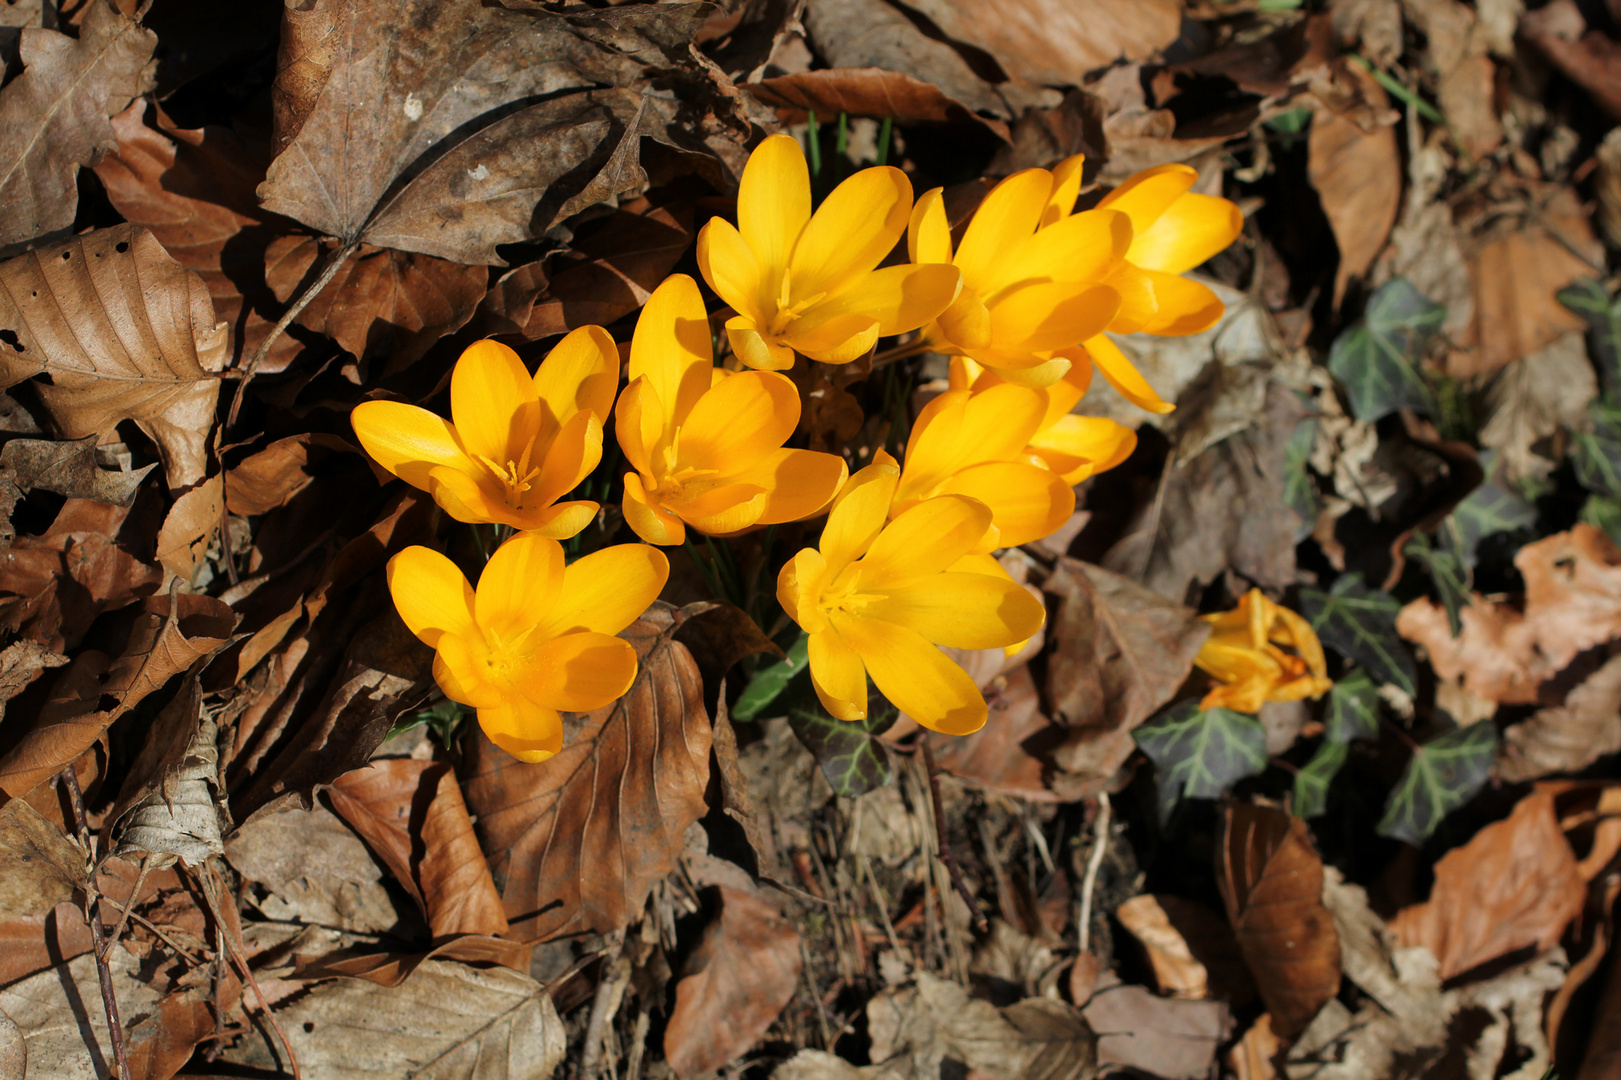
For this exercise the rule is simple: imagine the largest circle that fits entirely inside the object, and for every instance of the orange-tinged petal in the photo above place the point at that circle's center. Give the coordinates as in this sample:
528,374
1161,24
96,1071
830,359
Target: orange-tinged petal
838,675
1066,189
521,580
1146,195
605,591
408,441
858,514
1124,377
457,667
1083,247
1181,306
1066,393
838,340
1237,663
1138,302
850,233
467,497
754,349
639,424
1007,217
1299,633
580,374
914,675
733,270
960,428
963,611
724,510
527,731
739,421
1076,447
774,204
1051,315
578,672
798,483
799,589
923,541
493,402
431,595
1191,230
1027,502
647,517
928,234
671,347
569,459
1037,371
561,520
966,324
900,298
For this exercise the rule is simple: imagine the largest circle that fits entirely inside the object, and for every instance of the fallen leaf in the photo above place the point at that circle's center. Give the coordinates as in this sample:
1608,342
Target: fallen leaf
1533,398
578,840
869,91
39,866
1375,24
1176,971
1011,754
269,478
393,968
1607,186
852,754
13,1050
21,663
53,117
124,333
1441,776
739,976
1272,883
1465,75
1357,173
1165,1037
1586,55
68,468
169,803
1568,737
1376,360
188,530
1515,884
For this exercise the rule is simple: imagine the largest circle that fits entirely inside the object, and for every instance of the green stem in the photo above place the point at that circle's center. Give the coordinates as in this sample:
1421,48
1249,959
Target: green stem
885,133
814,147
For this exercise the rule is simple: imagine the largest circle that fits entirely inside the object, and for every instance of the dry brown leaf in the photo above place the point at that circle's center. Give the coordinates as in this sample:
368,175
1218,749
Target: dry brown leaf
739,976
189,529
1506,652
1515,884
412,815
580,839
869,91
21,663
170,806
37,942
1374,24
53,117
1176,970
1272,883
1533,398
1252,1057
1012,752
1457,56
1568,737
1357,173
1163,1037
68,468
1607,186
269,478
393,968
1585,54
124,333
39,866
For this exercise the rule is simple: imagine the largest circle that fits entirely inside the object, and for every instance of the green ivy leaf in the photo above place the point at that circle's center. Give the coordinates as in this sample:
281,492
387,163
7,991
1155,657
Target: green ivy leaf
1447,571
1603,512
1353,708
1360,623
1299,489
1377,358
1200,753
1597,451
1444,774
770,681
1311,782
852,756
1602,313
1488,510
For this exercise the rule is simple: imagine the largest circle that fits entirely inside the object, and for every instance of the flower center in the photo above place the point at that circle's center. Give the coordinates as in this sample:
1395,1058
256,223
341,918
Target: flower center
516,476
844,593
788,311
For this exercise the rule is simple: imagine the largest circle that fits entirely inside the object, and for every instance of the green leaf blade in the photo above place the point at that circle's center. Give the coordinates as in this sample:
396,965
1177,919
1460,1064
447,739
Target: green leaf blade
1201,753
770,681
851,755
1443,774
1376,360
1311,782
1360,623
1353,709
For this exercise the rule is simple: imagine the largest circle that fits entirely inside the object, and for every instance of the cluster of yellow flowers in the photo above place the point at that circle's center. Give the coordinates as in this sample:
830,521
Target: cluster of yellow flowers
1023,305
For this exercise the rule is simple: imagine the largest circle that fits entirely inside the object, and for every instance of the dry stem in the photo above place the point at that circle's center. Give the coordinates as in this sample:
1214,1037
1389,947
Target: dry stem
100,941
947,857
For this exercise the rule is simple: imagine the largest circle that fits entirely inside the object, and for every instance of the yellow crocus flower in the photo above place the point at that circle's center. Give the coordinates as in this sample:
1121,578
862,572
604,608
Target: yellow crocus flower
1035,275
1074,447
517,443
876,597
1245,652
536,637
808,282
706,444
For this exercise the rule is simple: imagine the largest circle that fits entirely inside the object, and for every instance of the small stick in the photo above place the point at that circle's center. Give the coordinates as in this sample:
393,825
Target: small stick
98,931
236,956
947,857
1092,866
604,1007
134,898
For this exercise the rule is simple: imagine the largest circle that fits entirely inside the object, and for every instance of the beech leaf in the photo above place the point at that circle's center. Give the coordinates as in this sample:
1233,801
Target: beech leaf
39,866
1441,776
1200,753
68,467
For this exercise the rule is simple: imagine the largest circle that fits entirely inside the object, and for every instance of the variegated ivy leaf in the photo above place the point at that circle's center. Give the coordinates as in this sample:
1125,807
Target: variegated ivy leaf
1360,623
1442,775
1299,489
1377,359
1602,313
1311,782
1596,453
1353,708
1488,510
1449,574
1201,753
852,756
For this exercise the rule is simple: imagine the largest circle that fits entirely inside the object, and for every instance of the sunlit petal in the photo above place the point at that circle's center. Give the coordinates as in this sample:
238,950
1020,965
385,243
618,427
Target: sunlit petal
914,675
578,672
733,270
1124,377
1076,447
858,514
1027,502
1052,315
1082,247
798,483
647,518
1009,214
468,497
900,298
1066,189
527,731
493,402
928,234
560,520
799,585
521,580
923,541
1138,303
1191,230
639,424
1181,306
740,421
966,324
458,668
431,595
958,429
671,347
569,459
606,590
754,349
838,340
1146,195
963,611
838,675
724,511
580,374
773,204
408,441
851,232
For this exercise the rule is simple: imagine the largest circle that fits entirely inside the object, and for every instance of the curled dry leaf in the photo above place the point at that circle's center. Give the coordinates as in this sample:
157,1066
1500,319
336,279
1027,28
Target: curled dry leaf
1012,752
53,117
578,840
1505,653
1568,737
1190,947
739,976
869,91
1515,884
1176,970
1272,883
1165,1037
21,663
1357,173
265,480
68,467
170,804
39,866
184,539
125,333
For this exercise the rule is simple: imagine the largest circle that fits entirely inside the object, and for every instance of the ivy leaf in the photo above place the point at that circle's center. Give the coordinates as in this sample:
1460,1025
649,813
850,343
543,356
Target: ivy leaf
1603,512
1488,510
1602,313
1311,782
1360,623
1353,708
1443,774
852,756
1376,359
1299,490
1200,753
770,681
1597,451
1447,571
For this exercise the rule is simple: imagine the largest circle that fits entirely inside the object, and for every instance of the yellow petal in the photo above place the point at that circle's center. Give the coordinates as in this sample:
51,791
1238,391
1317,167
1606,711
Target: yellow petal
838,340
431,595
521,580
1007,217
1181,306
914,675
1125,378
639,424
1076,447
966,324
458,665
578,672
858,514
754,349
851,232
572,455
493,401
928,234
799,588
773,204
1066,189
468,497
605,591
1138,303
561,520
738,422
1037,371
1083,247
1027,502
580,374
963,611
648,518
733,270
408,441
900,298
527,731
798,483
1299,634
923,541
671,346
1146,195
724,510
960,428
1066,393
838,675
1191,230
1052,315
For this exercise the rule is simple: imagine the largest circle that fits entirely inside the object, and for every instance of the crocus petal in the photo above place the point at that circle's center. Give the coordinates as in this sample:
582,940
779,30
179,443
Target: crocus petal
578,672
914,675
639,424
798,483
1052,315
671,346
648,518
900,298
580,374
431,595
963,611
1191,230
966,324
774,204
724,510
521,580
560,520
1181,306
605,591
1007,217
958,429
527,731
851,232
1033,370
858,515
733,270
739,421
493,401
838,340
569,459
408,441
799,587
754,349
457,667
1299,634
838,675
928,234
1138,302
466,498
1066,189
1027,502
1076,447
1082,247
1146,195
923,541
1123,376
1064,395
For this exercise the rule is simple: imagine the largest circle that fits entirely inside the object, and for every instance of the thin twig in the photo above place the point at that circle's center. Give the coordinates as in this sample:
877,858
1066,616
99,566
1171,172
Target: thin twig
1088,883
134,897
235,954
947,857
98,932
604,1007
